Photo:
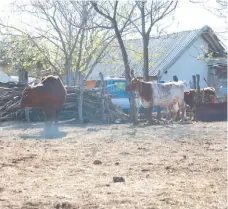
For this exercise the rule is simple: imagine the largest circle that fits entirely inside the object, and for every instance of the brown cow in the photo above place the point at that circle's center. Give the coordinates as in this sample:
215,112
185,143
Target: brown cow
207,95
49,95
190,100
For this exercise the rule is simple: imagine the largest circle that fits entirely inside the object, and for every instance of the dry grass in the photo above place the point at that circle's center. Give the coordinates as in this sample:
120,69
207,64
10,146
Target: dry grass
173,166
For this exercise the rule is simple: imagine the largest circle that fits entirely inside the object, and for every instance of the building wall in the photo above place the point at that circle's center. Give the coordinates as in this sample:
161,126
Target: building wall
187,64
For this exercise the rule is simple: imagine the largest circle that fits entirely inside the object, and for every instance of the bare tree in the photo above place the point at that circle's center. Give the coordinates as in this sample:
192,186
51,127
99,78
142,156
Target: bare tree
73,41
114,23
150,14
219,8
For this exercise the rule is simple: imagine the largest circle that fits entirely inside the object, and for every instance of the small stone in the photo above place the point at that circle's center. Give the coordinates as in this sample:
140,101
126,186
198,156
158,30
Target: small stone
118,179
97,162
117,163
167,167
145,170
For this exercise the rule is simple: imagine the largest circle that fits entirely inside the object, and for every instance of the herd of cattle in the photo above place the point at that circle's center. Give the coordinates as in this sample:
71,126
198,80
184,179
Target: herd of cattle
50,96
171,95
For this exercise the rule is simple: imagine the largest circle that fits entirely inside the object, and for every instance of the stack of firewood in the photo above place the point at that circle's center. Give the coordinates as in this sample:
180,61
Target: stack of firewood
10,98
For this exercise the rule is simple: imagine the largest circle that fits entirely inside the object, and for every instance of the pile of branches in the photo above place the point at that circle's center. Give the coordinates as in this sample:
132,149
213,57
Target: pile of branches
10,110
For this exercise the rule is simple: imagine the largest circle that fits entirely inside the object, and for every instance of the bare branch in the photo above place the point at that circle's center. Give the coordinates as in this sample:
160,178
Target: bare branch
94,4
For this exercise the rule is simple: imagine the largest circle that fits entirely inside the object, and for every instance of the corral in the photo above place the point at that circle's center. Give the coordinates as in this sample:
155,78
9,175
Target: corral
169,166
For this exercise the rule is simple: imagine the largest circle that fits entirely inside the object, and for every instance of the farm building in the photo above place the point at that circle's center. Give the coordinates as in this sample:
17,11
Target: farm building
182,54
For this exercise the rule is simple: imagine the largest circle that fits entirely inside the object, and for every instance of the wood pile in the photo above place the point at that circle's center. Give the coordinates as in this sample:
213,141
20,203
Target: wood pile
10,98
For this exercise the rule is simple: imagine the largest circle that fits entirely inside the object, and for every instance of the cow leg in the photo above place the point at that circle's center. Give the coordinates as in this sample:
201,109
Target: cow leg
149,113
54,120
57,116
182,106
46,123
50,118
175,110
167,112
194,112
190,113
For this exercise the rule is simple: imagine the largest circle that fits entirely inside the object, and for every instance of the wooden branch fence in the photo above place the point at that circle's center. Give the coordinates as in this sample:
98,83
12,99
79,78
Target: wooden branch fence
94,106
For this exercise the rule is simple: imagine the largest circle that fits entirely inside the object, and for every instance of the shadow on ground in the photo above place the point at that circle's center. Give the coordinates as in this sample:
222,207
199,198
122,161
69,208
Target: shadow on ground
50,132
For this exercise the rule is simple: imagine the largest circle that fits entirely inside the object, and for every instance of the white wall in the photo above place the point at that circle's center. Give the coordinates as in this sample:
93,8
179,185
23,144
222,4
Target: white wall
187,64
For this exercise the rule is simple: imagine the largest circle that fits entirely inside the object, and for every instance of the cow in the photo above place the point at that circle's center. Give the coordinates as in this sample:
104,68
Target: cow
170,94
190,100
207,95
49,95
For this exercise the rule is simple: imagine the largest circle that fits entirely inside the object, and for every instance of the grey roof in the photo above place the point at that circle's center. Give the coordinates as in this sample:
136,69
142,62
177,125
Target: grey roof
167,49
163,51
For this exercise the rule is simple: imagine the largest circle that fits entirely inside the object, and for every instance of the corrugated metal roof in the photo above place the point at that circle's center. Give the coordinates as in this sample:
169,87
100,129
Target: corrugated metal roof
165,50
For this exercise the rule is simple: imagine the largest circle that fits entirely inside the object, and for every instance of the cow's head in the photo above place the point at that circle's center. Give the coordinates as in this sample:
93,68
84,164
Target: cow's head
133,85
27,99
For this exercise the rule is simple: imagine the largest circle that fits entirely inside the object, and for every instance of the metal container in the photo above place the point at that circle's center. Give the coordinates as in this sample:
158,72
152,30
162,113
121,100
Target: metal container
212,112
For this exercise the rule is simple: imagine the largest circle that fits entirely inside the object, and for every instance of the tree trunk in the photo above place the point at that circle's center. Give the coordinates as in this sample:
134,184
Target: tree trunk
68,66
80,104
38,69
145,45
102,97
21,75
146,69
127,72
198,87
147,112
145,60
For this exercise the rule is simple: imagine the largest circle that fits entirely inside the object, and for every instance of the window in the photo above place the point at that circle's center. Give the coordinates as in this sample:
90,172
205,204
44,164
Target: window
119,86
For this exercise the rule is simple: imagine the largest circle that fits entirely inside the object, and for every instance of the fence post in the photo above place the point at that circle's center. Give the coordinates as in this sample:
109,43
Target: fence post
194,81
25,79
198,87
158,107
102,93
80,101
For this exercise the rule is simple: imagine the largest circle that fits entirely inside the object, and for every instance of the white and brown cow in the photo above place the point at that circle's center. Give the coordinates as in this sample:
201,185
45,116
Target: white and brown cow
169,95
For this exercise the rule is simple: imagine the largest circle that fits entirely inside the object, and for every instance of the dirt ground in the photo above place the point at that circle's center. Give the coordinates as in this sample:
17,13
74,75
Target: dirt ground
172,166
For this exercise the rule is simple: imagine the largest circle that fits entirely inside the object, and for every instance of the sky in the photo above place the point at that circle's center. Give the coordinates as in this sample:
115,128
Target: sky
188,16
193,16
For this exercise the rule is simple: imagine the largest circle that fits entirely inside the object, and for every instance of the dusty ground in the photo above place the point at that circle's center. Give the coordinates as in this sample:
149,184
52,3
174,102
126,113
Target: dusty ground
173,166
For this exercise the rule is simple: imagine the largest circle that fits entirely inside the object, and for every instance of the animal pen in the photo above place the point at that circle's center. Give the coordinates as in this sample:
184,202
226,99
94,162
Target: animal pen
91,105
95,106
